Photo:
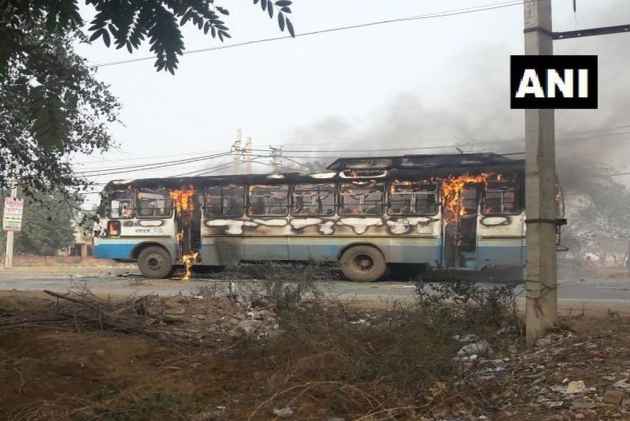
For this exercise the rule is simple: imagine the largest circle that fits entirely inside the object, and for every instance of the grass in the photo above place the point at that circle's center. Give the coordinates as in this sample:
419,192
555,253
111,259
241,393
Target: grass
330,360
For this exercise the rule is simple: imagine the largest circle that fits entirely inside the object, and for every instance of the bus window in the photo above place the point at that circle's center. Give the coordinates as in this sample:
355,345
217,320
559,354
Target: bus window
224,201
361,199
268,200
121,204
501,197
154,204
314,200
212,208
412,198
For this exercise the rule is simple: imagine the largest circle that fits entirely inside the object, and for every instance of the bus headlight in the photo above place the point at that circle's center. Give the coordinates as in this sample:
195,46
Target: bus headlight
113,228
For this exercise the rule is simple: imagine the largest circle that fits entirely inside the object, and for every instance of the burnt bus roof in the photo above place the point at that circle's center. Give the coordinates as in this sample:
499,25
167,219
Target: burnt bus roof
451,161
407,167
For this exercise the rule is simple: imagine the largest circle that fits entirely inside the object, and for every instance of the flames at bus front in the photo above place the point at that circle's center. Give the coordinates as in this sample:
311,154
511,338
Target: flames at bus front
182,200
452,189
183,204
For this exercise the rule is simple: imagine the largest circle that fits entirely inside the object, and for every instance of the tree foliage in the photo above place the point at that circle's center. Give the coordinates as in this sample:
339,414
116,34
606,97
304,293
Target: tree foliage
51,106
126,23
47,224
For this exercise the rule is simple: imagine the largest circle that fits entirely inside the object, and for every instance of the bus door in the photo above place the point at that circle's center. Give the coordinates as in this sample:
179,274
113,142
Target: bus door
460,229
186,204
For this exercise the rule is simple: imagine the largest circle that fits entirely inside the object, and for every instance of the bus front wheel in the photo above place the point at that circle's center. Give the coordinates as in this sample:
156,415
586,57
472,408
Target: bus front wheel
363,264
155,262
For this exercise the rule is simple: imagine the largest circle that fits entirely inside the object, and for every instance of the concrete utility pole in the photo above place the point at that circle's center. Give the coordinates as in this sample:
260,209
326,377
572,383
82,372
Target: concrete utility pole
542,294
8,256
236,152
276,158
247,155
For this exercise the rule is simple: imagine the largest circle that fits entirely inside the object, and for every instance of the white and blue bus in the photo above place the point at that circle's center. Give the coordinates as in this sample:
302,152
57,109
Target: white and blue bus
447,215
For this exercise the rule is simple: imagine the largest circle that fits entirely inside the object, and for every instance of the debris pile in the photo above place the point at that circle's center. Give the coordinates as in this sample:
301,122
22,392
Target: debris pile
565,377
201,320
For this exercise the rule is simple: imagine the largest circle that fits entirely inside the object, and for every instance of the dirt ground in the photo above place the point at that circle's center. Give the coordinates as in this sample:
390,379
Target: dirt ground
55,371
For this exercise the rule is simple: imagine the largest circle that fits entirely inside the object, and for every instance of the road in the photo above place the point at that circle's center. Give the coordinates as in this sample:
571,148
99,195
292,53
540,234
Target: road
576,291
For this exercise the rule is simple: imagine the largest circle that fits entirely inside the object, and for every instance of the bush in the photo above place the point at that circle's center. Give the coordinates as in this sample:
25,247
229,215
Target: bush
354,359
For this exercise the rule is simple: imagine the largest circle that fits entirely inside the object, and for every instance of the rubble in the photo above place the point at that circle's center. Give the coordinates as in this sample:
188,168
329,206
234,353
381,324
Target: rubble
283,412
576,387
481,347
613,397
210,321
564,377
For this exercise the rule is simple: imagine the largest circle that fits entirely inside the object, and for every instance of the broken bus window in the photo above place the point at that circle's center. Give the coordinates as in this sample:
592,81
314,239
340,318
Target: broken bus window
121,204
224,201
314,200
268,200
501,196
361,198
412,198
154,204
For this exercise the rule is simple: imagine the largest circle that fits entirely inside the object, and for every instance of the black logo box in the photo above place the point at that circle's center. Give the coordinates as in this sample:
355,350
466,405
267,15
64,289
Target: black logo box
519,63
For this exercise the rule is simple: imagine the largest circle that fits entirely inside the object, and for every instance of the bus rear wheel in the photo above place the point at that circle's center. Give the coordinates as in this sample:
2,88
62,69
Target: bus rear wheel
155,262
363,264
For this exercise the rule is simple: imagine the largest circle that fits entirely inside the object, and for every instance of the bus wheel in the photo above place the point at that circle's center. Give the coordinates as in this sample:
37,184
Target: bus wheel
155,262
363,264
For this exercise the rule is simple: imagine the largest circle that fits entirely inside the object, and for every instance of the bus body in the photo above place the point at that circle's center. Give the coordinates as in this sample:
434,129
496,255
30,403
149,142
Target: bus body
458,215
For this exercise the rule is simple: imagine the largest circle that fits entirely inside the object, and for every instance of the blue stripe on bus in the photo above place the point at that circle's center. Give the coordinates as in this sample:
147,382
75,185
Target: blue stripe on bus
330,252
114,251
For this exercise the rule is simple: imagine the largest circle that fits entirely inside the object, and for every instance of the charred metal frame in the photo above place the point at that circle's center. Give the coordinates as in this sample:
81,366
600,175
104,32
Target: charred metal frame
408,167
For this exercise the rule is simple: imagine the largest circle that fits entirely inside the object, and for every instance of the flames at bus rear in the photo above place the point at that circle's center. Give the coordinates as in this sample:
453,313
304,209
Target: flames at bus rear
452,189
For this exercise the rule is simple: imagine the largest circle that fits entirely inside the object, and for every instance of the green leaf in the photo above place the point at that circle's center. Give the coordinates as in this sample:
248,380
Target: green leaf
96,34
281,22
290,27
106,38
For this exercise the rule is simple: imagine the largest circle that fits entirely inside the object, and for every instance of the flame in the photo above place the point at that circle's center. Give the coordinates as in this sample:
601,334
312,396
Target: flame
452,188
183,203
182,199
189,259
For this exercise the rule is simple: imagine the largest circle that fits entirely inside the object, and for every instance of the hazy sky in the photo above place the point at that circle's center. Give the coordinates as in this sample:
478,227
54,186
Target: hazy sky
440,81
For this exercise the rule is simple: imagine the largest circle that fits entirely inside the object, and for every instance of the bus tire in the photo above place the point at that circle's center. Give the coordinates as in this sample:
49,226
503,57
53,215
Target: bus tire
363,264
155,262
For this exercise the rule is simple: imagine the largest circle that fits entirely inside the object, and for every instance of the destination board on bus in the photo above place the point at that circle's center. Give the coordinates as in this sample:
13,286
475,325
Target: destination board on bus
12,215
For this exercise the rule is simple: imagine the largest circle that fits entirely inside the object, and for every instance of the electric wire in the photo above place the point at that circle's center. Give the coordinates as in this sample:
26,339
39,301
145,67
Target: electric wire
166,164
428,16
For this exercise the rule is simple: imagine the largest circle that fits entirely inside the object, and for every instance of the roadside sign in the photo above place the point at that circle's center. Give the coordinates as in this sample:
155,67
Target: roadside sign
12,218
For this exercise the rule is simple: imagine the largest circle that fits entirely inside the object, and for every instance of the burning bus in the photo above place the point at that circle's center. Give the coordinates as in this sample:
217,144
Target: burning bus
448,216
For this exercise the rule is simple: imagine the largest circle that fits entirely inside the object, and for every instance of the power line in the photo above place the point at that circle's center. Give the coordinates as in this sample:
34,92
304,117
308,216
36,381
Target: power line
201,171
436,15
185,161
141,158
593,133
147,167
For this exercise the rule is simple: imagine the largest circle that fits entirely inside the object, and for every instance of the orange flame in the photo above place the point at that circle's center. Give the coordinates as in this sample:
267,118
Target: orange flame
183,203
182,199
452,188
189,259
